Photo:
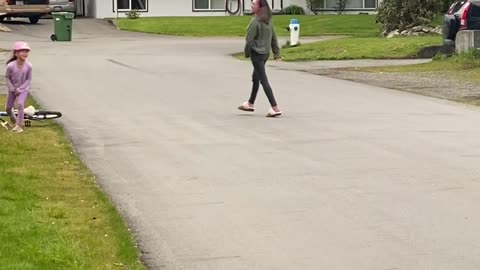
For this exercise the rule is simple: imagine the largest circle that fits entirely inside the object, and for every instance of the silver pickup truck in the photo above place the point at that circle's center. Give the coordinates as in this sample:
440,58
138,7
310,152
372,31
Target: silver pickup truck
31,9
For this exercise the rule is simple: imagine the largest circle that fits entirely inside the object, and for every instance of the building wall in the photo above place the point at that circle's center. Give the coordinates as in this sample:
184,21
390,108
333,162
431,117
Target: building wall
157,8
303,3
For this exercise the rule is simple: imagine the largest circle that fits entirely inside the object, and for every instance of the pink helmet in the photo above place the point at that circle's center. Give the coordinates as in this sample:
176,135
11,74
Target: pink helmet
20,45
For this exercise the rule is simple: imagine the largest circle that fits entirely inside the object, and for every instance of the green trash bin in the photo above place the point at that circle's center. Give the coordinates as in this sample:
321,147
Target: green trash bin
62,23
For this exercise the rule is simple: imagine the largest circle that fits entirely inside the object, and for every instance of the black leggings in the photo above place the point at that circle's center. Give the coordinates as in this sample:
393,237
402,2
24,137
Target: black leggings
260,76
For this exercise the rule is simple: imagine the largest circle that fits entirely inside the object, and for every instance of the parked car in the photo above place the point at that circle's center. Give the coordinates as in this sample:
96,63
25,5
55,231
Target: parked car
462,15
31,9
63,5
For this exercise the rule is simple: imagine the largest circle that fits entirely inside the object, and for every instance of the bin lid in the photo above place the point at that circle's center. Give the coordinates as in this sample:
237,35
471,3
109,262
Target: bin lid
66,15
294,21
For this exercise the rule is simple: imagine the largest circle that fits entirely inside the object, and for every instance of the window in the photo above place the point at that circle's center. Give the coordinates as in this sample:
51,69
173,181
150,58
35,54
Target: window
202,4
209,5
475,10
351,4
139,4
217,4
319,5
123,5
370,3
356,4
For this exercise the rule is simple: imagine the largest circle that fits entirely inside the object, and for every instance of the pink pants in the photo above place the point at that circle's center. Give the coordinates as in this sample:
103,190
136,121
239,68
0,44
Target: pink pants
21,98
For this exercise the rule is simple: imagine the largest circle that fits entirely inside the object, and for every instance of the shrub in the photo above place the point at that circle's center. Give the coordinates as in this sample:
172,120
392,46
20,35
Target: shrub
315,5
340,6
395,14
446,4
133,14
294,10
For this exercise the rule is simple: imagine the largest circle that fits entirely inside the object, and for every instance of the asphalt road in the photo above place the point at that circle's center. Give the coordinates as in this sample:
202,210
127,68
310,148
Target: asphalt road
352,177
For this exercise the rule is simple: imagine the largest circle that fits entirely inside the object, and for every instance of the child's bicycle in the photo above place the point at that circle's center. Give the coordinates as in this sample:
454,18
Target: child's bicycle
31,114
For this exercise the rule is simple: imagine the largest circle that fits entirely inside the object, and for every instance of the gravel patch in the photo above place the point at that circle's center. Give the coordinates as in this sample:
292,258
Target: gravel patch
433,84
314,65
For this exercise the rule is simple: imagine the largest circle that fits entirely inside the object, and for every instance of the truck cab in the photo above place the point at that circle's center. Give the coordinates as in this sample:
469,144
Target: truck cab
31,9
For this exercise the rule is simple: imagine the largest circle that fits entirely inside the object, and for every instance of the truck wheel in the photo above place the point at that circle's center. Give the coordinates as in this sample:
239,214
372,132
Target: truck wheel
53,37
34,19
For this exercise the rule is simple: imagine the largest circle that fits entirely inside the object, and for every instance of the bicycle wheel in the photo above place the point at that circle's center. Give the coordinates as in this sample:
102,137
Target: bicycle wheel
46,115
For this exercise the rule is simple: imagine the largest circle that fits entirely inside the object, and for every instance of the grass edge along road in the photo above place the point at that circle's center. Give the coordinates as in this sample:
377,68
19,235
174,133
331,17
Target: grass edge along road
464,66
52,213
358,48
236,26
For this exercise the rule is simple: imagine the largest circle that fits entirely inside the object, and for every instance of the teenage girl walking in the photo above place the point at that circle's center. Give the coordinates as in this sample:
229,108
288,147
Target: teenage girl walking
261,38
19,76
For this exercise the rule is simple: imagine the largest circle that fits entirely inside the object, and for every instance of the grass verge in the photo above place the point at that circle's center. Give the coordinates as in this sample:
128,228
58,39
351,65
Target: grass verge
464,66
359,48
52,214
235,26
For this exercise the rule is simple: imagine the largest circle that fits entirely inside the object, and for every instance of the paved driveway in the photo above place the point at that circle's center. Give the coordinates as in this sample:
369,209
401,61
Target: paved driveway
353,177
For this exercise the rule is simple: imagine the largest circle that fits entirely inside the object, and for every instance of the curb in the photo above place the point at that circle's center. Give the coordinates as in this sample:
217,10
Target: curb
114,23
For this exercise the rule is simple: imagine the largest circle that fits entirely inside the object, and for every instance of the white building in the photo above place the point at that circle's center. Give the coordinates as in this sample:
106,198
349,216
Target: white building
156,8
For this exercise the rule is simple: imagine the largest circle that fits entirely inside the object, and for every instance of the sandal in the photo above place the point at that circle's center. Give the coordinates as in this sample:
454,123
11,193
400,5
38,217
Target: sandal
246,107
272,113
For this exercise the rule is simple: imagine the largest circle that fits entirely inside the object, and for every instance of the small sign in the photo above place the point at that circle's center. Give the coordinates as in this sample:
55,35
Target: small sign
19,3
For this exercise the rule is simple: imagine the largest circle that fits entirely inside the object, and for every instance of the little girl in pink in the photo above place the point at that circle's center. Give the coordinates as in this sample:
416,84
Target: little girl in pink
19,76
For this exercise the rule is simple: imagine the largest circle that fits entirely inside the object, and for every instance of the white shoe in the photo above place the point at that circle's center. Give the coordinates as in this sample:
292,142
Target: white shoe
246,107
17,129
273,113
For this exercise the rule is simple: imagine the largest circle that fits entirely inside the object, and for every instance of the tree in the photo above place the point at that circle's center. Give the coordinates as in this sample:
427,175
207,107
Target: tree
340,6
395,14
315,5
446,4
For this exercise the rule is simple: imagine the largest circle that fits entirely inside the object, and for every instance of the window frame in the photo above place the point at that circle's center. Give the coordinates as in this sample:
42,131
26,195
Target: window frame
363,8
130,9
207,10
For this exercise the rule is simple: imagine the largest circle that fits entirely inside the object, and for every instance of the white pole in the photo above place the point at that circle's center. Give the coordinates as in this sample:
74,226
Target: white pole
116,7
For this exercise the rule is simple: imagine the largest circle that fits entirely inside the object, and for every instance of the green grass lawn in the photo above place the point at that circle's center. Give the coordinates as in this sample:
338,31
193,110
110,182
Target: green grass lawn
466,67
235,26
52,213
358,48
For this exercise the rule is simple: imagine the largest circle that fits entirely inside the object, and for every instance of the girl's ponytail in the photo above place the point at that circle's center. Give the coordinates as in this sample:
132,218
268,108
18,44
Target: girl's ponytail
13,58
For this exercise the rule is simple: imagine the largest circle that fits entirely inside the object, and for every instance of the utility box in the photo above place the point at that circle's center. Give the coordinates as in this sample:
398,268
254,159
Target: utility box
467,40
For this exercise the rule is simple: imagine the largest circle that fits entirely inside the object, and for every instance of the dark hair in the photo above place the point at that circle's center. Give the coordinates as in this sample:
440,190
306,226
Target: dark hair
264,13
13,58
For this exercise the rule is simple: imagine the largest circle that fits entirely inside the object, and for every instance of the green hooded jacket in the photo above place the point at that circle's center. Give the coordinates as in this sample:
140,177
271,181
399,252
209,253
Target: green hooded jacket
261,38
